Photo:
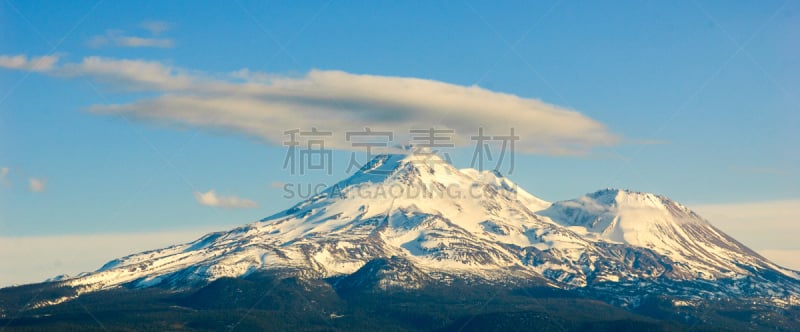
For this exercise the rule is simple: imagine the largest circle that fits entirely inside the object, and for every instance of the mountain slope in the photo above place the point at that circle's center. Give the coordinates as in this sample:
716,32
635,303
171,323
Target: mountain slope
406,220
664,226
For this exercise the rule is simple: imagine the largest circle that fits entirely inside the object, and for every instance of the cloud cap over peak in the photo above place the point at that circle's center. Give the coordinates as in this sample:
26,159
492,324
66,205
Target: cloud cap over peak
266,105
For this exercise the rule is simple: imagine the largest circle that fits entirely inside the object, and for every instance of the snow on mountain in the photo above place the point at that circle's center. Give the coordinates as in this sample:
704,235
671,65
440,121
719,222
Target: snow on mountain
664,226
405,219
414,205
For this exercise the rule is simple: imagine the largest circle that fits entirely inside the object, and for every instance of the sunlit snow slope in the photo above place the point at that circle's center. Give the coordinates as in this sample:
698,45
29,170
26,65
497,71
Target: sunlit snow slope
441,222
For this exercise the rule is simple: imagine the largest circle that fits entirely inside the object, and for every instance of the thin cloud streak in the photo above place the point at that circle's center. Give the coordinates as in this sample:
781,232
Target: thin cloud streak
22,62
119,39
156,27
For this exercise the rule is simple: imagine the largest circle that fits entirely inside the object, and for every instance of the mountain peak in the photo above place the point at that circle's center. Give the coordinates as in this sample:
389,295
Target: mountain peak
402,164
628,198
655,222
624,199
619,214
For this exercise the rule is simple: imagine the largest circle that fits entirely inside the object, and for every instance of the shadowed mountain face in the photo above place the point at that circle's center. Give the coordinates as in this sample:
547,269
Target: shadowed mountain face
408,222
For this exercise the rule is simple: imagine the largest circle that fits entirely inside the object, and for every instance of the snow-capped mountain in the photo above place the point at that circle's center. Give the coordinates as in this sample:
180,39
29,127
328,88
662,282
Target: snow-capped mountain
666,227
405,220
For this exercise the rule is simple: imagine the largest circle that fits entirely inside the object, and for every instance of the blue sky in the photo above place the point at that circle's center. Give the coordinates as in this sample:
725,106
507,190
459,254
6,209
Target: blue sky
698,101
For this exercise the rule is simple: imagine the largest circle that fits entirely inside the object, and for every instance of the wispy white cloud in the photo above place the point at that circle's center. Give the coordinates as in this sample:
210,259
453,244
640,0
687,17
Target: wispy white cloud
156,27
120,39
130,74
266,105
210,198
22,62
37,185
131,41
769,227
4,175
